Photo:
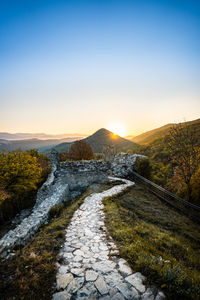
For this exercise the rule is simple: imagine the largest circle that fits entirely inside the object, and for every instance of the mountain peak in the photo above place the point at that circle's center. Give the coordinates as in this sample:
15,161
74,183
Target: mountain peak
103,131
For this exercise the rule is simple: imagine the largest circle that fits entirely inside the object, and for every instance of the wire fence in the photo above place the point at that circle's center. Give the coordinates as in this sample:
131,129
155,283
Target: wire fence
191,210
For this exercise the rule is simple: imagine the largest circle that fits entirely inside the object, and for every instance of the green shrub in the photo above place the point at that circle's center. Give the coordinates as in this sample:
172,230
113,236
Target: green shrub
21,174
143,167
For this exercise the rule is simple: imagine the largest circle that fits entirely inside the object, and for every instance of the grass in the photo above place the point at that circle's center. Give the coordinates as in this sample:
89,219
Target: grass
30,274
157,241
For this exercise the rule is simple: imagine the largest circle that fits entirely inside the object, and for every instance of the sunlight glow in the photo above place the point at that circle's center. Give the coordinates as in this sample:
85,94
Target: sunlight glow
117,128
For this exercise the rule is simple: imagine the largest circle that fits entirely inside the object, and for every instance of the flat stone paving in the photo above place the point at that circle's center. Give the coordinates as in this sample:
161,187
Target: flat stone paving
91,268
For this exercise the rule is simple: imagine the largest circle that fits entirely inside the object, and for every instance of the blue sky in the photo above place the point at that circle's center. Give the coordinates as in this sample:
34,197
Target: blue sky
76,66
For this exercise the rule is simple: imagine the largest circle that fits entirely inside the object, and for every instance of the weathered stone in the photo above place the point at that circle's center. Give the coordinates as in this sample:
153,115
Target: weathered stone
118,296
104,267
101,285
61,296
113,291
91,275
105,298
74,286
148,295
78,253
160,296
128,293
63,269
136,281
63,280
87,290
77,271
124,268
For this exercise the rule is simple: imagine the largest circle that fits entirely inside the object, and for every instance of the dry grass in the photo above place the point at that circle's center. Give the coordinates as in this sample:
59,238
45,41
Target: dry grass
157,241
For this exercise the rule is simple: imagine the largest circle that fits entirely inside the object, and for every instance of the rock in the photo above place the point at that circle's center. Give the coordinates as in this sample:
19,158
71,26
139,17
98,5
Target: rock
74,286
104,267
78,253
113,291
63,280
91,275
105,298
148,295
136,281
101,285
61,296
118,296
124,268
160,296
63,269
77,271
87,290
128,293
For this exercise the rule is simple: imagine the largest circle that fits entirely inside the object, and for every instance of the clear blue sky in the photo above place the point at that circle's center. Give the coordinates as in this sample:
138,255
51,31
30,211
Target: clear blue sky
76,66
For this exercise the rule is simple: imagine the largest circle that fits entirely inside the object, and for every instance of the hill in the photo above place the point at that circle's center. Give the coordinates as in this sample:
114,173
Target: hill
149,136
41,136
27,144
99,139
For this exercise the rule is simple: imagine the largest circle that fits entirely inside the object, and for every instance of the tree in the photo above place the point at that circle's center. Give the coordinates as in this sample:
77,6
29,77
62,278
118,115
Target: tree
63,156
21,173
80,150
184,149
143,167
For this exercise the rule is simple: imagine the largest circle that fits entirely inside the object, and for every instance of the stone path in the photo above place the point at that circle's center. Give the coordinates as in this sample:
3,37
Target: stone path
90,267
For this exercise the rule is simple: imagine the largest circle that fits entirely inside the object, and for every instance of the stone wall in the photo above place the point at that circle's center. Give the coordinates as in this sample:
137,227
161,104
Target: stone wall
123,163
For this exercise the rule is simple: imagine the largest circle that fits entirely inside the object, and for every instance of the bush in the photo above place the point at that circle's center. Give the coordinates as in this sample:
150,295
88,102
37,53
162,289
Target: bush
143,167
80,150
63,156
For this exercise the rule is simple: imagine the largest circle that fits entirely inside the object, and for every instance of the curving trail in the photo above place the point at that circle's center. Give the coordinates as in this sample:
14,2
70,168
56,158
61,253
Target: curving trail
90,266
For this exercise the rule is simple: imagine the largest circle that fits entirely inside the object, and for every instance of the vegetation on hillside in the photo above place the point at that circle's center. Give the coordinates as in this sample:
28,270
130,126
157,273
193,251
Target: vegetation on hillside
21,173
157,241
175,161
150,136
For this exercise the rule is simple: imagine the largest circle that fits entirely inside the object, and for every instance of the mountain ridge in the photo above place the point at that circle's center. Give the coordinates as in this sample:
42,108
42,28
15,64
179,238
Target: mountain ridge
102,137
159,132
41,136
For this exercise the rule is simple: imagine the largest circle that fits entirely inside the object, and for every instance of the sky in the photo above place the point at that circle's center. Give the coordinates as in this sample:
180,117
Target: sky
77,66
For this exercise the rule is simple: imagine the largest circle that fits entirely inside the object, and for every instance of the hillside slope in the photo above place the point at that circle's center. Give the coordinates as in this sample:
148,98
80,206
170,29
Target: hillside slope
99,139
31,143
149,136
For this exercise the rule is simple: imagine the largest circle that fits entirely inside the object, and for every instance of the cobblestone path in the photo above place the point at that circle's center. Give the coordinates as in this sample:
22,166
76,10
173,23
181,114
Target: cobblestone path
91,268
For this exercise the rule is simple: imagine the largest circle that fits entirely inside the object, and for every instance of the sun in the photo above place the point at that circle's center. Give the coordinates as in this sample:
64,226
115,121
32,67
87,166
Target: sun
117,128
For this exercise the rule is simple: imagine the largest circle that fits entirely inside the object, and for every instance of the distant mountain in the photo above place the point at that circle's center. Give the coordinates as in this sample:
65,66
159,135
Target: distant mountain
41,136
41,145
99,139
149,136
129,137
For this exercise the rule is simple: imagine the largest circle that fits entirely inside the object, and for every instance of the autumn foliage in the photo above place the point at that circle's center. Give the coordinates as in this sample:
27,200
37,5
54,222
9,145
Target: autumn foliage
80,150
21,173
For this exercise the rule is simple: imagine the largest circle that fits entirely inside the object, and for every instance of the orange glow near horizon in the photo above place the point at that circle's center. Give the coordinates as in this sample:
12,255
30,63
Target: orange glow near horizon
117,129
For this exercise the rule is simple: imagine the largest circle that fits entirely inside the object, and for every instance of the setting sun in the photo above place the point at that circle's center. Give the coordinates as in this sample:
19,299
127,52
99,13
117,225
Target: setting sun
117,129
